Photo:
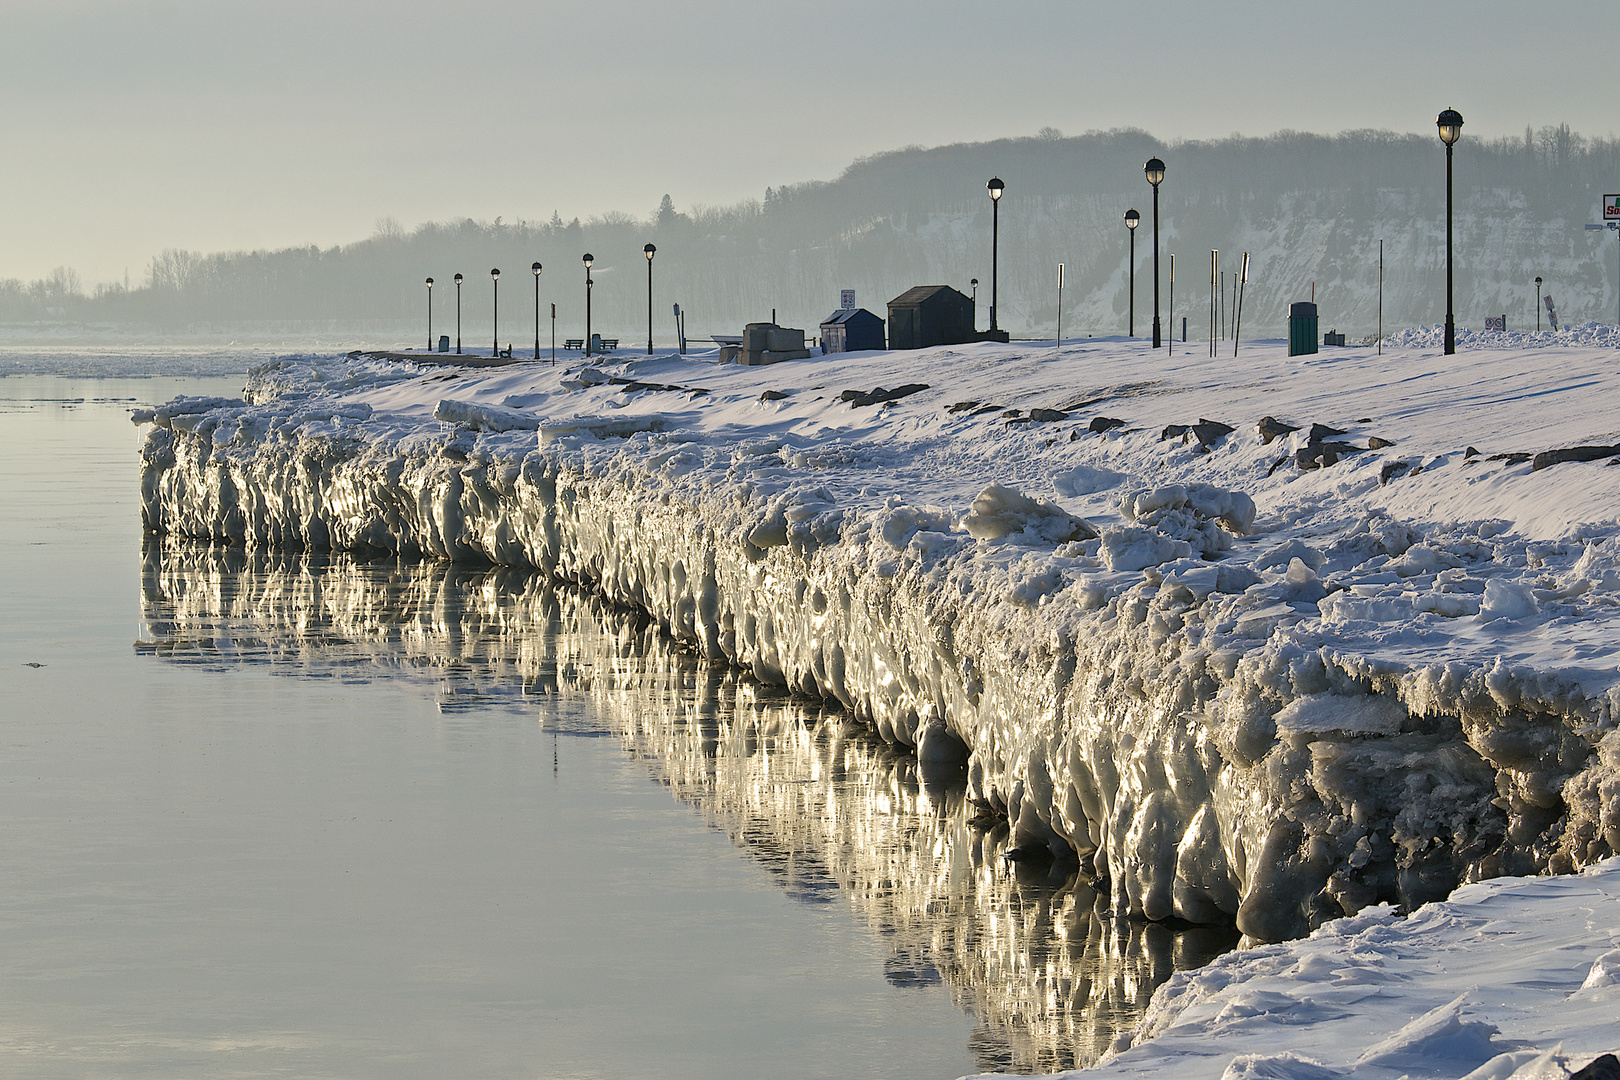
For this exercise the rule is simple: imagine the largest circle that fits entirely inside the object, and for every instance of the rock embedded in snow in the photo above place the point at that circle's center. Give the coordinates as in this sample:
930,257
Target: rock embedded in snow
1548,458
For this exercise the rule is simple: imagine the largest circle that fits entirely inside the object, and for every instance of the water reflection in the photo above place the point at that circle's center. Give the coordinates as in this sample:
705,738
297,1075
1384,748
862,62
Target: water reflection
827,810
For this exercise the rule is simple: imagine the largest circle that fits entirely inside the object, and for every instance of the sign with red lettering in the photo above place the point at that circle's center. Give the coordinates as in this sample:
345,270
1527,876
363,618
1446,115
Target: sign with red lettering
1611,208
1496,322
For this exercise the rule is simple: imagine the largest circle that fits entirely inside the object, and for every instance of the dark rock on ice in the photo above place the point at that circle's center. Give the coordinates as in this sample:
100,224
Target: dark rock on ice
1272,428
982,409
1470,452
1515,457
1210,432
1393,470
772,395
1322,431
1047,416
963,406
879,395
1320,455
1573,453
1606,1067
1375,443
1174,431
1100,424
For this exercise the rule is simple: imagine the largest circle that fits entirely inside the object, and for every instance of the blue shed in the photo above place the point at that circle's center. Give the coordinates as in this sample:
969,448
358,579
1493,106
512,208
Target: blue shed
851,330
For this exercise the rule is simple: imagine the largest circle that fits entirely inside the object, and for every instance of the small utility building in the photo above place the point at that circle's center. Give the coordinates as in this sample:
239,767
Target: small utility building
851,330
930,315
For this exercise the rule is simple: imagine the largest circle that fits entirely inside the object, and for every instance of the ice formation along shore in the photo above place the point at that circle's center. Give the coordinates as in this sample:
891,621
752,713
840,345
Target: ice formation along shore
1293,637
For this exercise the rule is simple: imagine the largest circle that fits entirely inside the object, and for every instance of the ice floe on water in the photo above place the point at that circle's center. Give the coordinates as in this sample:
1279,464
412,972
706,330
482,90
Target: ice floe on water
1271,639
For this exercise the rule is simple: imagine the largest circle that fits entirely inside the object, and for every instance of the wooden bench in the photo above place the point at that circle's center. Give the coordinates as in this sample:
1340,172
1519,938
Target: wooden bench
609,344
574,343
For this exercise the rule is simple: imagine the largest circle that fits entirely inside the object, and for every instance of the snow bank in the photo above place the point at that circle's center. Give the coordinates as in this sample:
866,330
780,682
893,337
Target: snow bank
1236,683
1508,978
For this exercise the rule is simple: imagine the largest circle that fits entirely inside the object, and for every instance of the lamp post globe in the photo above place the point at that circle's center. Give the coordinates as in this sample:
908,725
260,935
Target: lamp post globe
534,268
1450,125
430,314
649,250
1132,220
995,187
1154,170
588,259
458,314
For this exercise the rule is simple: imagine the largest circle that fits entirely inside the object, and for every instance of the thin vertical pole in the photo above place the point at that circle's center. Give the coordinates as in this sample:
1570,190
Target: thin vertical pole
1156,339
1221,306
458,316
587,311
1172,338
1059,348
649,307
537,316
1213,256
995,251
495,315
553,335
430,318
1237,288
1380,296
1451,325
1130,325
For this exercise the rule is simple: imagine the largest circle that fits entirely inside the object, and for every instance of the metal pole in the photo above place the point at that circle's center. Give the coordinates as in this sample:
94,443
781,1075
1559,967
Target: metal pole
1237,287
1380,296
1451,325
1059,349
1213,256
1172,338
587,310
1538,305
430,314
554,335
458,314
536,311
1130,325
1156,340
495,315
995,251
649,307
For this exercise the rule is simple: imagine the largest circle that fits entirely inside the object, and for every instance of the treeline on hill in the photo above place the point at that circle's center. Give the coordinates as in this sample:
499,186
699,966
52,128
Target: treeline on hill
1309,208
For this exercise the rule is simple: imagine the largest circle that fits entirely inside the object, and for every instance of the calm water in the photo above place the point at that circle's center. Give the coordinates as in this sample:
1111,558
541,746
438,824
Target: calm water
331,818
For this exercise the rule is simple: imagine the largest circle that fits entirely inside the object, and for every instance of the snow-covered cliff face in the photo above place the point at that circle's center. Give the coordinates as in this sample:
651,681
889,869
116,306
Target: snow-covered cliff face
1239,694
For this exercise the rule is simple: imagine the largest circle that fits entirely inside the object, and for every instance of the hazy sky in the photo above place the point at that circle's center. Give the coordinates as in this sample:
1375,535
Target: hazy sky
137,125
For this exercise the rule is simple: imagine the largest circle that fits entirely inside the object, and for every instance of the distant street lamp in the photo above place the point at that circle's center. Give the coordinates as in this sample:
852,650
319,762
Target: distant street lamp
995,187
1132,220
1538,305
534,268
1450,124
589,258
1155,176
430,314
458,314
974,284
649,251
495,283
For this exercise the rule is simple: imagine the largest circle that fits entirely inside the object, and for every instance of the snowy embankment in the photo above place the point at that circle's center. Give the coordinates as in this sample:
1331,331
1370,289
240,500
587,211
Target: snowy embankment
1276,673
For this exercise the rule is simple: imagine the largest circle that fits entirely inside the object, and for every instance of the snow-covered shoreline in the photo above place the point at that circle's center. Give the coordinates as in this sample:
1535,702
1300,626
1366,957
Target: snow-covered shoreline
1245,688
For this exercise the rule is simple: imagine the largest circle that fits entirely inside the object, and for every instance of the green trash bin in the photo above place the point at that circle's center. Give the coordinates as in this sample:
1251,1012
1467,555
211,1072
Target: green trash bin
1301,328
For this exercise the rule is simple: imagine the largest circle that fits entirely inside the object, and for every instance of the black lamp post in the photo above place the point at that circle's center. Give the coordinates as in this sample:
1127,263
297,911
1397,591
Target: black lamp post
974,285
534,268
1450,124
589,258
995,187
1538,305
1155,176
649,251
430,314
458,314
495,283
1132,220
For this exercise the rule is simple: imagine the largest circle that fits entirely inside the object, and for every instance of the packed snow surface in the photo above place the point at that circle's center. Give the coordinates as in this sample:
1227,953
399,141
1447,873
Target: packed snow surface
1516,977
1263,639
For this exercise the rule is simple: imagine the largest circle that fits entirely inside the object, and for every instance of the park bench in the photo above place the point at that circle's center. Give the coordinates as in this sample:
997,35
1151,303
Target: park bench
607,344
574,343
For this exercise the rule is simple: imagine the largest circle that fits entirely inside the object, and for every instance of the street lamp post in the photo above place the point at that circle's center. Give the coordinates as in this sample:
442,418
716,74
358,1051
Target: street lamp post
1538,305
1450,124
495,318
974,285
1155,176
430,314
534,268
995,187
589,258
1132,220
649,251
458,314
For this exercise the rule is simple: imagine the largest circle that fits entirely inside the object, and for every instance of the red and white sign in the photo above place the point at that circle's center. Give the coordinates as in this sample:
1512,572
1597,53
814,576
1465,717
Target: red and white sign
1496,322
846,299
1611,208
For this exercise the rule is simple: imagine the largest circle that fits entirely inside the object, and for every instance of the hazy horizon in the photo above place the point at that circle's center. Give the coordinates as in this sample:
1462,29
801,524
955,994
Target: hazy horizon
174,124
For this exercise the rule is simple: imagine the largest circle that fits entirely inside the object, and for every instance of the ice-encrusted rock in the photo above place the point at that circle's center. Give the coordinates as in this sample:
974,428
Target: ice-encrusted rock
1178,722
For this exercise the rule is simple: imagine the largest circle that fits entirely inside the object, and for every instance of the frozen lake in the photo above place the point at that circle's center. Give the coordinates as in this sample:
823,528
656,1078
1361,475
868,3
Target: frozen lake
270,814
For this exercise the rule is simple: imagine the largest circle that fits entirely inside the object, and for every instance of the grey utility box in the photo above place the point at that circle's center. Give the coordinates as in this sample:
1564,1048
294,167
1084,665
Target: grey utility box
767,343
444,342
1333,337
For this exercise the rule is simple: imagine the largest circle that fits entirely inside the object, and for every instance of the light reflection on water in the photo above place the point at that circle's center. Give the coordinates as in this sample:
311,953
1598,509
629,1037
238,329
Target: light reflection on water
830,812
